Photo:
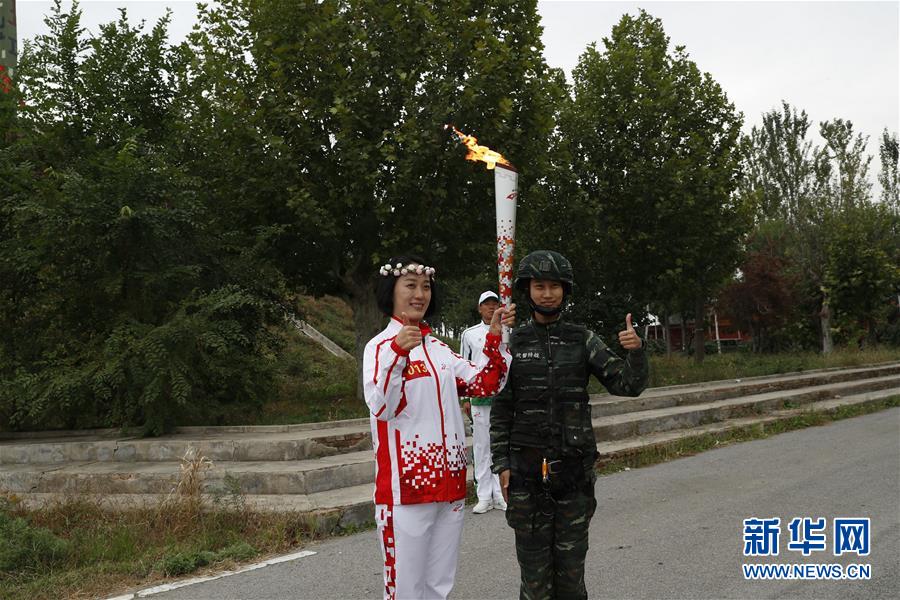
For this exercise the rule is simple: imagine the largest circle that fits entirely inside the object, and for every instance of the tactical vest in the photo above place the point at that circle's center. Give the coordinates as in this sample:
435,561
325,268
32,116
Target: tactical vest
549,378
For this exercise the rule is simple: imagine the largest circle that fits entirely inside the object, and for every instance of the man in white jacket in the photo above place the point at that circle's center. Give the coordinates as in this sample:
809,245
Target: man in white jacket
471,344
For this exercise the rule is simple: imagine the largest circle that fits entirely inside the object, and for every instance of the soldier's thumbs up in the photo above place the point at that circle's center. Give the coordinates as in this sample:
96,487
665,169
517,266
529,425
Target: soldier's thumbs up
629,338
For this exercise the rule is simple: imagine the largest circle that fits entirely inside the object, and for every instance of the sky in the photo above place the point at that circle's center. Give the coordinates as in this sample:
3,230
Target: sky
833,59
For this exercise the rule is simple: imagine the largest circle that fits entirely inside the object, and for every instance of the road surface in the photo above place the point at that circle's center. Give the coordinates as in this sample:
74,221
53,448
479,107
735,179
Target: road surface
673,530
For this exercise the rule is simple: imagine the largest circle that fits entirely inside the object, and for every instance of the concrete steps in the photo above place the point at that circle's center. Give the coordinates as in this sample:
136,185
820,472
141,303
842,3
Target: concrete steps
678,417
603,405
329,468
230,444
316,440
612,449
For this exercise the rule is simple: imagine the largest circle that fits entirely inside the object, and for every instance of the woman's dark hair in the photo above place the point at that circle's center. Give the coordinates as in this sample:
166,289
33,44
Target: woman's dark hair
384,287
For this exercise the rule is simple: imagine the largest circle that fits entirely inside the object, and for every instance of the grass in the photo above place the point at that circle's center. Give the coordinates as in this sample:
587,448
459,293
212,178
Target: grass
114,550
314,385
81,549
331,316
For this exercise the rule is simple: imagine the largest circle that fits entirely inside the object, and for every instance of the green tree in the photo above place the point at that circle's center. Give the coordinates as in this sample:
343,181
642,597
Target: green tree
778,164
787,179
862,271
122,303
845,152
888,177
350,97
823,195
654,148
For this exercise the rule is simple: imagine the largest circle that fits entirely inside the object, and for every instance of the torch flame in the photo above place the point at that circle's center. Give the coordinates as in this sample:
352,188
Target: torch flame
479,153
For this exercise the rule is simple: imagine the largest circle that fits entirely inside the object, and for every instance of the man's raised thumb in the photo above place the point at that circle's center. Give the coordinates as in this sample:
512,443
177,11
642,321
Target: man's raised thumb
628,324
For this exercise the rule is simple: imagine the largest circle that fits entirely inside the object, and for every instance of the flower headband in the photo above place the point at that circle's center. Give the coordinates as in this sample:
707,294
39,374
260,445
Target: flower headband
398,270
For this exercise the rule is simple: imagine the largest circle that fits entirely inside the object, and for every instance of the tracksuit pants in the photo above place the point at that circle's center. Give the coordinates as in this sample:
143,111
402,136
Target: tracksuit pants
420,547
487,485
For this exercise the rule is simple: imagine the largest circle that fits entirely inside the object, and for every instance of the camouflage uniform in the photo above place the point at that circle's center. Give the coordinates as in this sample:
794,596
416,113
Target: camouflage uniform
544,413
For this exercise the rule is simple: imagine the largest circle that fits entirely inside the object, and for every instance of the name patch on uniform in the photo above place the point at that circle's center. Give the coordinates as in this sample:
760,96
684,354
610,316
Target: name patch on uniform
415,370
527,355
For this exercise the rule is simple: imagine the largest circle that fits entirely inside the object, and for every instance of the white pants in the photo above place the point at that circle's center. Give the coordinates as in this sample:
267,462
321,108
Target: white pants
420,547
486,483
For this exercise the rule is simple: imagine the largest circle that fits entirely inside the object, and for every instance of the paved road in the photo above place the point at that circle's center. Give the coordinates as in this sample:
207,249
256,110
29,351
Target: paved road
673,530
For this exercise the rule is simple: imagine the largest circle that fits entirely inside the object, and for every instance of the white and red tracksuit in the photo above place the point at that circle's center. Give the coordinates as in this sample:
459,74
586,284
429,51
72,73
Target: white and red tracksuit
487,484
420,454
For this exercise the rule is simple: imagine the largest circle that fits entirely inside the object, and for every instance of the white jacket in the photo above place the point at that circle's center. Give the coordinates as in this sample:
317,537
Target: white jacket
417,425
472,341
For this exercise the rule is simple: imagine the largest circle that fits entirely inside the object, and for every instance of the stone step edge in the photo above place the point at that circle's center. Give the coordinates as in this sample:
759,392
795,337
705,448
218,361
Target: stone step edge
356,509
627,446
669,411
732,387
329,462
115,433
764,378
353,472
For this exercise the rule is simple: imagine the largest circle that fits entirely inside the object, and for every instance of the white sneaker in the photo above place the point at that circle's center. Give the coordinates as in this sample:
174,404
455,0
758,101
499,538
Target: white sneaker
482,507
500,503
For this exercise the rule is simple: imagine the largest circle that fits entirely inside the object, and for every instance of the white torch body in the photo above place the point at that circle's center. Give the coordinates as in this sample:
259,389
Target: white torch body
506,181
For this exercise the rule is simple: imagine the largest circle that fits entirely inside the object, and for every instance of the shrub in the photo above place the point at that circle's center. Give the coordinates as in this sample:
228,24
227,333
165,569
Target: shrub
27,548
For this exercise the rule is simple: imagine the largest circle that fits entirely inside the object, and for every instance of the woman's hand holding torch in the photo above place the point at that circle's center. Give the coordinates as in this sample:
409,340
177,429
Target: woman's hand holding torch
505,317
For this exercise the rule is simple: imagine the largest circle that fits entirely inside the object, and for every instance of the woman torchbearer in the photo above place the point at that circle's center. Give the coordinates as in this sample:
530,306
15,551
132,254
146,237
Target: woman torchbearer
412,386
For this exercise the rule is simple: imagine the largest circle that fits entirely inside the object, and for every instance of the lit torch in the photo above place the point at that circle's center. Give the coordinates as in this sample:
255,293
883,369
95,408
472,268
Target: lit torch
506,181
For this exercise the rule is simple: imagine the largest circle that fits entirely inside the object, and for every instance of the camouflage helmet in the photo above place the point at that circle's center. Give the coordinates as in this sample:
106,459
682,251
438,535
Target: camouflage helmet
545,264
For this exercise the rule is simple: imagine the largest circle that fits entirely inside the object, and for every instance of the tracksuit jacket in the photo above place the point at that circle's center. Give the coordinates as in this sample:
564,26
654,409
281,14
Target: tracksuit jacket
470,344
417,427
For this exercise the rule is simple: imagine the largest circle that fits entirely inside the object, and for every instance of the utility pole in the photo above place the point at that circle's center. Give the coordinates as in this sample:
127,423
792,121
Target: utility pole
8,47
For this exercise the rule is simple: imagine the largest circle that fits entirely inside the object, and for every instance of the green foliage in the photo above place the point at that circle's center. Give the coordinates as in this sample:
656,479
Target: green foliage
862,272
839,248
778,163
24,547
646,211
889,174
340,107
180,563
844,153
160,201
459,299
129,300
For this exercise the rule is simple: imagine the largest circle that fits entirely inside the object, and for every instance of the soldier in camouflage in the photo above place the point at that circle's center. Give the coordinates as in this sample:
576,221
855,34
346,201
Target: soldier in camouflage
542,438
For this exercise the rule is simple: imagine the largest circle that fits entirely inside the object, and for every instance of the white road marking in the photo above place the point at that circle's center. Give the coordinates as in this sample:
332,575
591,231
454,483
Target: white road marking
186,582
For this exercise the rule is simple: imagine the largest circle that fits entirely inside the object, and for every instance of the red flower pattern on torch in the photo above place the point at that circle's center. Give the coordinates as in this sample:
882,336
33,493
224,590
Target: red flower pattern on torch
5,81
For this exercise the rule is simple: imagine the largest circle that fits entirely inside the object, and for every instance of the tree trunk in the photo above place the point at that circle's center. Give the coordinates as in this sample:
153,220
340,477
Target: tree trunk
699,341
367,321
825,322
667,335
